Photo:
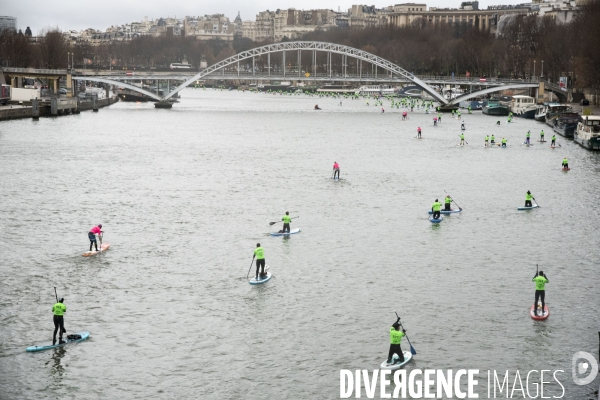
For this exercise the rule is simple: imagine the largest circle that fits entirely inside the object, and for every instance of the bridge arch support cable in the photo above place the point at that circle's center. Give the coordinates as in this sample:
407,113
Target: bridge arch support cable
318,46
118,83
492,90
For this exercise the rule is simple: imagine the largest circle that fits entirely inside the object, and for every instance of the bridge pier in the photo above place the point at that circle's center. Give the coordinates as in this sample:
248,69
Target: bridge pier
94,103
163,104
54,106
35,109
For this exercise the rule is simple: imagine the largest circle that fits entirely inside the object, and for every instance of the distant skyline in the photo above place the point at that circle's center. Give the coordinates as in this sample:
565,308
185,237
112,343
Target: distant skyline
79,15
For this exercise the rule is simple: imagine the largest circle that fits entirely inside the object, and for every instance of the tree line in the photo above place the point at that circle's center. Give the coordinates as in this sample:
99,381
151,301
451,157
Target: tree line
421,48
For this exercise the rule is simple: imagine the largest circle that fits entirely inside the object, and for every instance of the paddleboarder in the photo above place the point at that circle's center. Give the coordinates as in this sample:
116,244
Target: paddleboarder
447,203
286,222
542,136
59,310
336,170
462,140
527,137
396,336
96,230
565,163
493,139
553,143
419,132
504,142
487,140
259,254
540,293
528,198
435,209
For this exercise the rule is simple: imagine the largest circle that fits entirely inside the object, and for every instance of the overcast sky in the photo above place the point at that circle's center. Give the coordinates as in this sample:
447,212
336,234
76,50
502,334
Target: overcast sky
82,14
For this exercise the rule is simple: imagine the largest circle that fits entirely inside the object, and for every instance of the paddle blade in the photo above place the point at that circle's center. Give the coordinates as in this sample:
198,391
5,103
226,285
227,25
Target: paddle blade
272,223
413,351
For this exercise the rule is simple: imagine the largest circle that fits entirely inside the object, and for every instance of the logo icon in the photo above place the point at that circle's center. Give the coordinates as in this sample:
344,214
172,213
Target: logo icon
580,368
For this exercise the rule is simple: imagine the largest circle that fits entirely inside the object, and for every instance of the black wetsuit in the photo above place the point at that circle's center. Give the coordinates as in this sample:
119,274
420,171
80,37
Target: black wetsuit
261,264
395,348
59,322
93,241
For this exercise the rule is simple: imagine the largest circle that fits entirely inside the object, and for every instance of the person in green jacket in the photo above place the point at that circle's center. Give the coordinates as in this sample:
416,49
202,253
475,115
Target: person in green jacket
59,310
527,137
565,163
528,198
259,253
487,140
286,222
553,143
462,139
540,293
542,136
504,142
493,140
396,336
447,203
435,209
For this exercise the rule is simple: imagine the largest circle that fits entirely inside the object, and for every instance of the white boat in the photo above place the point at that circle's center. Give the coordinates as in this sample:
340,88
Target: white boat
99,92
587,133
452,93
523,106
540,112
376,90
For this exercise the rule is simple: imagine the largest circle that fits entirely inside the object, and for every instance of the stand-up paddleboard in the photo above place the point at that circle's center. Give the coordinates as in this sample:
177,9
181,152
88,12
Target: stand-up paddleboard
291,232
82,336
103,248
260,279
527,208
446,211
436,220
542,141
566,169
394,366
540,316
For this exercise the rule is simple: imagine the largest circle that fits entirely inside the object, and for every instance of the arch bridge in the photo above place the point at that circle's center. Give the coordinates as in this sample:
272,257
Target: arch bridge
394,72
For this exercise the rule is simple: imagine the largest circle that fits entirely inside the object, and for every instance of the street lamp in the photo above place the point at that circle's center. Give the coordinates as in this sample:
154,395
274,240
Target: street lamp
68,58
534,68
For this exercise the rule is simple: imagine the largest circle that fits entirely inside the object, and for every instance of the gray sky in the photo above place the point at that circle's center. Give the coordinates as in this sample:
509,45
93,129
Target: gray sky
82,14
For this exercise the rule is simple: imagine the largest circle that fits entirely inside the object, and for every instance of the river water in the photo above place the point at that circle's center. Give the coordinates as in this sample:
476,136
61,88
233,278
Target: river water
184,196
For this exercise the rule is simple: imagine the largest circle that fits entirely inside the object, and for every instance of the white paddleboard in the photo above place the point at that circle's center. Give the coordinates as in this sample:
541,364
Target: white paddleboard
394,366
103,248
261,280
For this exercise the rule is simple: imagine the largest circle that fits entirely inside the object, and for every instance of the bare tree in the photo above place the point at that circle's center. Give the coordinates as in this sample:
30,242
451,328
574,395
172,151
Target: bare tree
53,49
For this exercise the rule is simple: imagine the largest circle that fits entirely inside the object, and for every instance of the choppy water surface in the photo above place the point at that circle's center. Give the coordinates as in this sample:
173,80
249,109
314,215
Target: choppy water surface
185,195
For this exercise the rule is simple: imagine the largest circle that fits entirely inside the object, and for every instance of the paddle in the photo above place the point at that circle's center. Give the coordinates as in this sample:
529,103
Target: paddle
276,222
100,239
56,295
536,203
412,349
251,262
454,201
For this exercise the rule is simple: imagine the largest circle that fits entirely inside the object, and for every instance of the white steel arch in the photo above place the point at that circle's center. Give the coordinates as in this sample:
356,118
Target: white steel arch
118,83
492,90
317,46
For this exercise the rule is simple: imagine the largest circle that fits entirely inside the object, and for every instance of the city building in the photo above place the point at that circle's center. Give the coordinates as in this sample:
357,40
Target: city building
468,13
291,23
209,27
8,23
361,16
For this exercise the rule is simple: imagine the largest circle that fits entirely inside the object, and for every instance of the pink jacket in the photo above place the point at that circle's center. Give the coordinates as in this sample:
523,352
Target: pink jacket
95,230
